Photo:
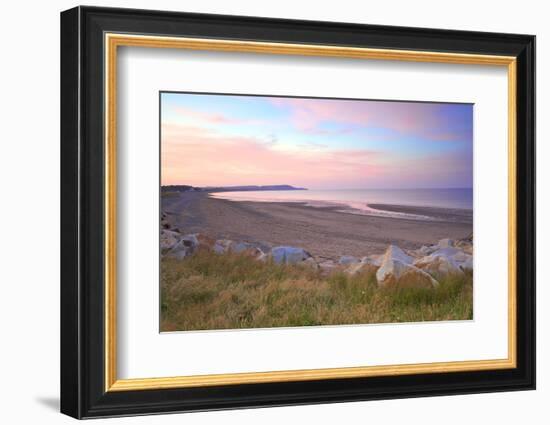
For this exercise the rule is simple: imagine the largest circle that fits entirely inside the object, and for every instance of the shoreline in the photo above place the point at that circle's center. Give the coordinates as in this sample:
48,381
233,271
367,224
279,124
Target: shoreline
462,215
325,231
399,211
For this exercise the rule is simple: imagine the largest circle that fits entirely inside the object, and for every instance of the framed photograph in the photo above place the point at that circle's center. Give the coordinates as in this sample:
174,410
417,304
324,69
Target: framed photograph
261,212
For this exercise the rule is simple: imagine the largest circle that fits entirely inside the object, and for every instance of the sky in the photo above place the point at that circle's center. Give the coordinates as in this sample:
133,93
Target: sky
229,140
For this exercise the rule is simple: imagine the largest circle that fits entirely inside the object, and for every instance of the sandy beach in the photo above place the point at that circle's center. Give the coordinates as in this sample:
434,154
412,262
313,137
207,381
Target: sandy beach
324,232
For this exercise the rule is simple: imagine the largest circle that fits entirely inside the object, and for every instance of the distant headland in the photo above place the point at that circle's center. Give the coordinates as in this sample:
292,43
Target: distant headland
248,188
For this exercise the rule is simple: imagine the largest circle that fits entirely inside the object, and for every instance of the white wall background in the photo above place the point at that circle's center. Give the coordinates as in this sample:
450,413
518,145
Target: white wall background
29,219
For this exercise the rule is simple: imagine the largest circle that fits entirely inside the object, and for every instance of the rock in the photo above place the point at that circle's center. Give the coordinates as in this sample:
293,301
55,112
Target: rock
164,222
447,259
461,257
264,246
397,274
397,271
346,260
240,247
368,264
445,243
289,255
375,260
205,242
361,267
327,266
443,261
191,240
263,257
309,263
446,252
186,246
253,252
245,248
468,264
168,239
465,246
221,246
426,250
464,261
437,265
395,253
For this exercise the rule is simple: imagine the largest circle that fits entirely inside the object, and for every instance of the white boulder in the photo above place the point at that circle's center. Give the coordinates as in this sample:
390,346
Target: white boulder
362,267
289,255
309,263
466,246
191,240
263,257
168,239
245,248
240,247
187,245
375,260
395,253
447,260
445,243
438,265
426,250
327,266
464,261
397,270
468,264
446,252
221,246
368,264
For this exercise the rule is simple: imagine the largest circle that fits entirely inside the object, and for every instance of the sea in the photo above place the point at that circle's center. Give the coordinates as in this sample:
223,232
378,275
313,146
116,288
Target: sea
358,201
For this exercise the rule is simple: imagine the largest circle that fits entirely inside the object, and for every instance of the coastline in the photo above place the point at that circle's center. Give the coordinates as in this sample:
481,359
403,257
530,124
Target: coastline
458,215
324,231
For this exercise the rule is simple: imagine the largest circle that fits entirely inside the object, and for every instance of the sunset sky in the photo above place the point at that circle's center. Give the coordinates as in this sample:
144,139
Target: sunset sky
218,140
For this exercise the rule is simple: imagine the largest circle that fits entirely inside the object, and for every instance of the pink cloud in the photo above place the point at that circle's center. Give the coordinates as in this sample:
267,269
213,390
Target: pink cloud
205,117
202,157
200,117
421,119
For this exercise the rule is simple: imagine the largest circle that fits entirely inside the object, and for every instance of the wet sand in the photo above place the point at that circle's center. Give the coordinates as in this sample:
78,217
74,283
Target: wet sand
325,232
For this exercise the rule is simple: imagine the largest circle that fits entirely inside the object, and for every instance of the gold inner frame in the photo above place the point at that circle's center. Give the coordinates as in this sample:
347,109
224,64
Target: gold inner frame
113,41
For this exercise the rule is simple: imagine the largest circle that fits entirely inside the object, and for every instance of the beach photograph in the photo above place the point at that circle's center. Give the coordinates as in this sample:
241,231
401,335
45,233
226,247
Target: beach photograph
297,211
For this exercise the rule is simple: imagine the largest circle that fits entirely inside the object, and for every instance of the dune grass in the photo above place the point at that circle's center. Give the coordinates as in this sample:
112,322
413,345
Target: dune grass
209,291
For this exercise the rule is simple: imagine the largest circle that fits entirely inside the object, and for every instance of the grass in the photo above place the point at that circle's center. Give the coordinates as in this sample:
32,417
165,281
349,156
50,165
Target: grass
209,291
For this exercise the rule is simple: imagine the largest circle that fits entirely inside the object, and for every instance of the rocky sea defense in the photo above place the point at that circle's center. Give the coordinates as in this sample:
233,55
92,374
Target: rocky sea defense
395,268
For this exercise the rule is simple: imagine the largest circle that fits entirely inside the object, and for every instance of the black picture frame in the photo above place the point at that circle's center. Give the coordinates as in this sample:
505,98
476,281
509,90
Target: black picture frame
83,392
